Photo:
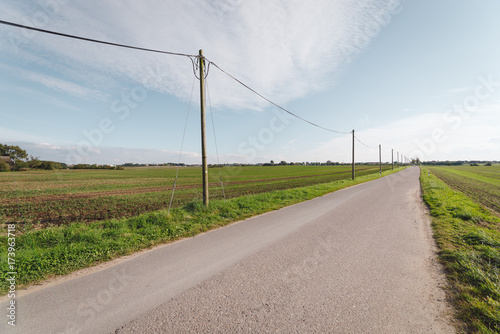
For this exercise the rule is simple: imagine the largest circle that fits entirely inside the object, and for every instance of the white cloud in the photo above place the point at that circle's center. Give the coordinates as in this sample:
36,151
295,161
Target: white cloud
427,136
284,49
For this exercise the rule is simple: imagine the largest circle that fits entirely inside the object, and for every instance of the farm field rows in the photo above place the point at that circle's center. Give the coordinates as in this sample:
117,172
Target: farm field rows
468,235
64,196
482,183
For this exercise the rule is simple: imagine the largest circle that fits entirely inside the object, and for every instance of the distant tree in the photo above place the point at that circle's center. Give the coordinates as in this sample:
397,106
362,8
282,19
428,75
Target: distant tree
22,165
272,162
14,152
49,165
283,163
488,164
34,163
4,167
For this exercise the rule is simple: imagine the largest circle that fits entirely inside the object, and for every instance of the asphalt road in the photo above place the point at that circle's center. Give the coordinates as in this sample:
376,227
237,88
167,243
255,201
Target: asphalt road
360,260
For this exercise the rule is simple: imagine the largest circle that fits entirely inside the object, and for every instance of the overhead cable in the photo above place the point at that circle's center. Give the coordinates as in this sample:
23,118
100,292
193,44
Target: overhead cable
174,54
215,140
372,147
95,40
182,146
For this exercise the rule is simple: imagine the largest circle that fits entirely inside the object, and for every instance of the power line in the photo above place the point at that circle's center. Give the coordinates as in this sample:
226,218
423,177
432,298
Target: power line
215,140
95,40
372,147
169,53
182,146
275,104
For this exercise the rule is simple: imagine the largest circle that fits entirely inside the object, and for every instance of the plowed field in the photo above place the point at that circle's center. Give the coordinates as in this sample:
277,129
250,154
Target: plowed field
482,183
60,197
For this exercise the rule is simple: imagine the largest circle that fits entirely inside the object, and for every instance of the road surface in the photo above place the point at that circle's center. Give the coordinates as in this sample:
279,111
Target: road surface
360,260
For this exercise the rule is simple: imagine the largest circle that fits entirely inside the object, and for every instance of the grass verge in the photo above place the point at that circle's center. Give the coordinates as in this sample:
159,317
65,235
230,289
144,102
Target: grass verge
468,236
41,254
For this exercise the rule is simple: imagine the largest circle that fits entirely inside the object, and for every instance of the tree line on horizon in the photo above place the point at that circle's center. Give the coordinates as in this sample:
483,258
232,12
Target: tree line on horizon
20,160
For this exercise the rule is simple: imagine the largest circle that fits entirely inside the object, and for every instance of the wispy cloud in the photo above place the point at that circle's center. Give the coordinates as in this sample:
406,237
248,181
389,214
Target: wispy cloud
55,83
284,49
28,92
453,92
63,86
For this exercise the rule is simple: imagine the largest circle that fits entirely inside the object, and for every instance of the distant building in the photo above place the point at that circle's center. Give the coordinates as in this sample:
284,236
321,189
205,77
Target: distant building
7,160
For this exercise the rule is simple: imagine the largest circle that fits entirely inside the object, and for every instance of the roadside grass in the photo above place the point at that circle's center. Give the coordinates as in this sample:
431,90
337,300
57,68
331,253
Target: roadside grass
468,236
59,250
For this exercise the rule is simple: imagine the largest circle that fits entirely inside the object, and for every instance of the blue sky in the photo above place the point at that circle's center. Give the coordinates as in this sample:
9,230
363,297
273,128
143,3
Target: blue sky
420,77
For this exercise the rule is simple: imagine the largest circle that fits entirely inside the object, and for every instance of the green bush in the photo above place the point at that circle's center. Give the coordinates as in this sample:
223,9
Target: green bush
4,167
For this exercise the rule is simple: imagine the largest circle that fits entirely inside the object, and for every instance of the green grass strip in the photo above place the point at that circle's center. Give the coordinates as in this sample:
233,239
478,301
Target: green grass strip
468,236
41,254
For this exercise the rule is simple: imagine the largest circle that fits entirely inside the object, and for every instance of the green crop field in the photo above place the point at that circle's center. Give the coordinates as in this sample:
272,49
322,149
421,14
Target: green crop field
468,235
65,196
482,183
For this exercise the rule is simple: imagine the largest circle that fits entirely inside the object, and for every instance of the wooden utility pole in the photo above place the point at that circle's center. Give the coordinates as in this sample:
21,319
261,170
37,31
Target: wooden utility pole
392,158
204,168
398,159
353,154
380,159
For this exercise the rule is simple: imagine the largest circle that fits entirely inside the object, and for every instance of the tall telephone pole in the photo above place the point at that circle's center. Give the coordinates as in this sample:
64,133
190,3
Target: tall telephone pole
380,158
204,168
353,154
392,158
